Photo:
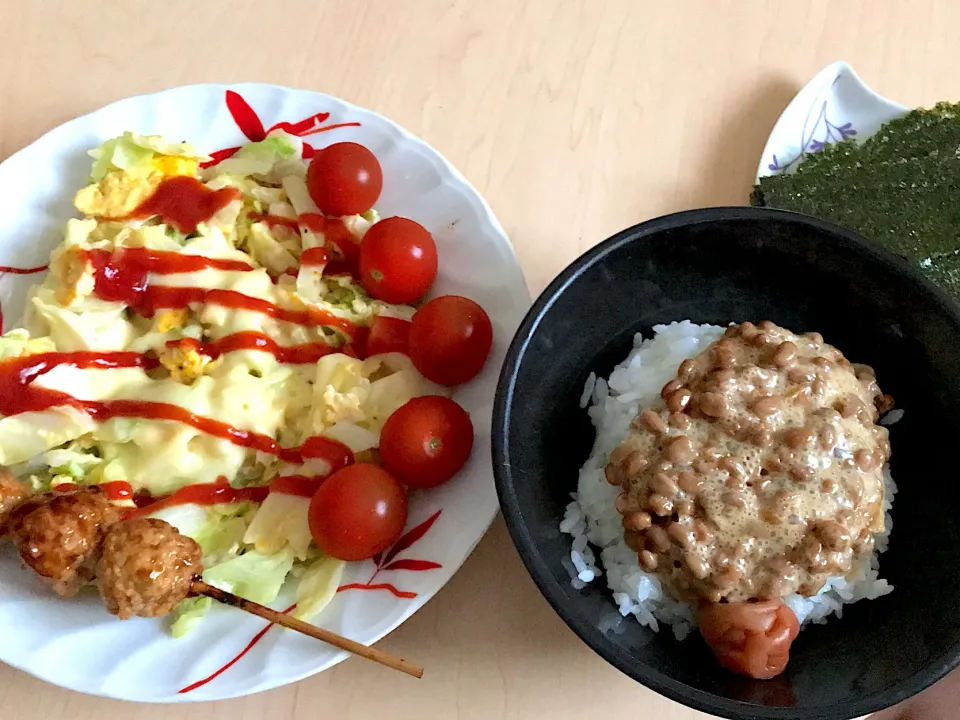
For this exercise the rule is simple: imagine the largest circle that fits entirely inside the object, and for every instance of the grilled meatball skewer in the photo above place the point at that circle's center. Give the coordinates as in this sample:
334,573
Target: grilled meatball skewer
59,535
144,566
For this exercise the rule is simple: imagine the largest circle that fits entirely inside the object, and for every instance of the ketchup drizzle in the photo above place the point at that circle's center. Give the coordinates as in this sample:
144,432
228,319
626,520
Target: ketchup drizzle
19,394
184,202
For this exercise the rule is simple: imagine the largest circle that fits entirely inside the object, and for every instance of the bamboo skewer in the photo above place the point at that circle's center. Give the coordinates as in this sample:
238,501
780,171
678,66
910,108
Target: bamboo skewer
199,587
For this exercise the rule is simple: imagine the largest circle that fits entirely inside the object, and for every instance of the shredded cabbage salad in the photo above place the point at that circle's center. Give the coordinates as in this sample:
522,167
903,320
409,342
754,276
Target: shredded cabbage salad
249,548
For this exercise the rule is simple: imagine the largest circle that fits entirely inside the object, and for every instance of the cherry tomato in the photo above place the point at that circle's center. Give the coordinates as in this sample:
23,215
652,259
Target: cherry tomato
344,179
388,334
357,512
426,441
750,638
398,260
450,338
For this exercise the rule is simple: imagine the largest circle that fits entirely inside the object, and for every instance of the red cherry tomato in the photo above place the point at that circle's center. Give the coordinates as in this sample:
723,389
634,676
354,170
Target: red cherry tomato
344,179
388,334
450,338
398,260
750,638
426,441
357,512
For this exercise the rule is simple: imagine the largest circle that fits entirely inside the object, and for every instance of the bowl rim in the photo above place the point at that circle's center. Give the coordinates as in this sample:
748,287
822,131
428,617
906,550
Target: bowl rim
535,562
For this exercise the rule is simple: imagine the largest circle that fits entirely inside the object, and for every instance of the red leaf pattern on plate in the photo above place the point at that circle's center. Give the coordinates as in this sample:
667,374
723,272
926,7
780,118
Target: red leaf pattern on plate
416,565
411,536
245,117
304,127
250,645
219,155
250,125
402,594
383,562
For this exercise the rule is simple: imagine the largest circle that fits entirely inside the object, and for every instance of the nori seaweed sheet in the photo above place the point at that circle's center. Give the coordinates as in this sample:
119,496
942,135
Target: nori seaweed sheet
899,189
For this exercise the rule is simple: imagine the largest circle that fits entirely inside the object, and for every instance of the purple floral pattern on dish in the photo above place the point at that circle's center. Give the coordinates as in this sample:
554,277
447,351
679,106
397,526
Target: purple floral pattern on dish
820,133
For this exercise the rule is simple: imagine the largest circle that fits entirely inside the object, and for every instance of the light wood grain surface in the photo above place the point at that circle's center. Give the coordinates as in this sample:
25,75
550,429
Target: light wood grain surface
574,118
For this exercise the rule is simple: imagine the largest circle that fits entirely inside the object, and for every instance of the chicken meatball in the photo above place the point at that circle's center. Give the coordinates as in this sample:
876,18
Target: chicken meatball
146,568
12,494
60,536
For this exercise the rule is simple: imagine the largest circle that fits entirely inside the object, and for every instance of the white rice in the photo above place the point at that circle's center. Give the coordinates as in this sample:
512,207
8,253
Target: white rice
593,522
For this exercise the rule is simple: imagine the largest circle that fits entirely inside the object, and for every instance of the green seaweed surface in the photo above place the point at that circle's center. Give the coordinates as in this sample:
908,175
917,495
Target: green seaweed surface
899,189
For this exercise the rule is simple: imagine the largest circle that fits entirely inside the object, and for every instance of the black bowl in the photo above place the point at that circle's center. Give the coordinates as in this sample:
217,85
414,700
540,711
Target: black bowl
730,265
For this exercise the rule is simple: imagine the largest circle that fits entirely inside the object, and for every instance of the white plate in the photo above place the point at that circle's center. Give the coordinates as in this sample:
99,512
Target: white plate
835,105
76,644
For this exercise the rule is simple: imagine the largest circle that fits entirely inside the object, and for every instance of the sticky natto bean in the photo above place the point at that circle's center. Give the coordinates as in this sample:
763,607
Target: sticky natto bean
785,354
834,536
678,400
704,465
687,370
635,540
713,405
613,474
680,450
828,438
766,406
823,363
865,460
727,577
679,420
733,467
680,535
701,531
698,568
684,508
800,376
797,437
658,538
660,505
849,405
760,436
647,560
799,474
724,357
653,422
748,330
637,521
635,464
733,498
620,453
690,483
664,485
671,387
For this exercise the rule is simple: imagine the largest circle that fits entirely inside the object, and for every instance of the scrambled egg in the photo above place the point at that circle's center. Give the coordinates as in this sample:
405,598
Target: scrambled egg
171,319
120,192
184,361
75,277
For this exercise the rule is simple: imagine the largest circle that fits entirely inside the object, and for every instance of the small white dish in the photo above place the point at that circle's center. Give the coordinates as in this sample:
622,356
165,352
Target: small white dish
836,105
76,644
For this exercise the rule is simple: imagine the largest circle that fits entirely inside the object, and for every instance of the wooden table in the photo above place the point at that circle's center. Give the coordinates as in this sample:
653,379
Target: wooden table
575,118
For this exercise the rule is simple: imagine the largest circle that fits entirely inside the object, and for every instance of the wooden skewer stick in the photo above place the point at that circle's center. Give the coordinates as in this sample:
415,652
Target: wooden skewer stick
201,588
